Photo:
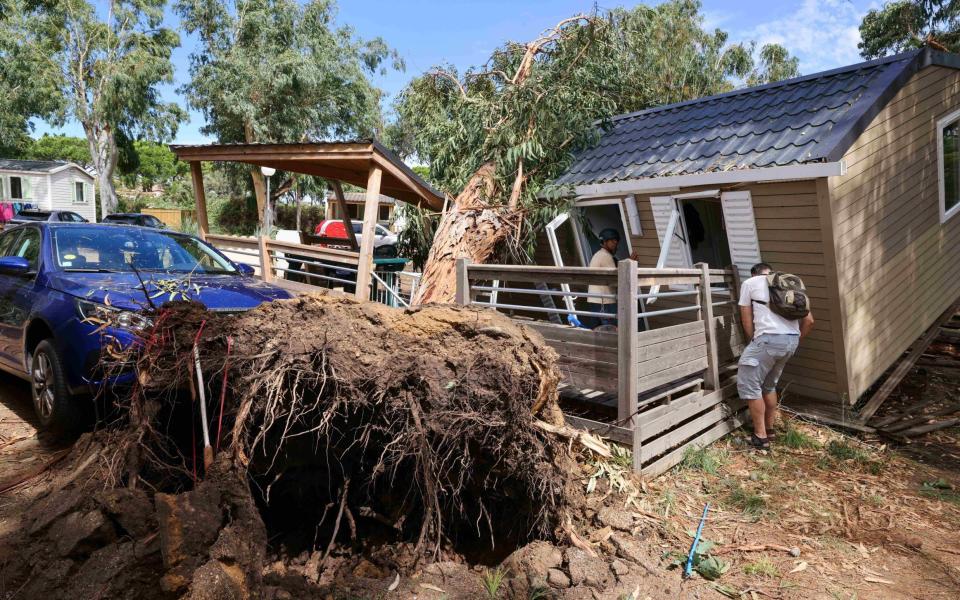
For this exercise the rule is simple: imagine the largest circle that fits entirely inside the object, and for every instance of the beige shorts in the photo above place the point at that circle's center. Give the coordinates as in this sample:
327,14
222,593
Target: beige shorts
762,362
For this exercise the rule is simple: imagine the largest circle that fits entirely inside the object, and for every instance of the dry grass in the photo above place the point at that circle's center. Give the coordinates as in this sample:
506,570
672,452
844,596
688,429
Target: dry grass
837,500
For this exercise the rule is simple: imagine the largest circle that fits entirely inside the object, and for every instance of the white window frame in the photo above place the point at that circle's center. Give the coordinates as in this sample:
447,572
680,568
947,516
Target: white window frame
623,219
83,191
942,124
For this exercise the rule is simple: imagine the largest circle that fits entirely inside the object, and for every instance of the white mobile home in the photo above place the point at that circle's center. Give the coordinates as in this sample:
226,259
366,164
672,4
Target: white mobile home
48,185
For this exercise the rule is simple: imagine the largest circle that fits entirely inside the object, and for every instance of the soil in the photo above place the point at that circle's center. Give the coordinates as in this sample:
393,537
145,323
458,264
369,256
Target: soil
823,515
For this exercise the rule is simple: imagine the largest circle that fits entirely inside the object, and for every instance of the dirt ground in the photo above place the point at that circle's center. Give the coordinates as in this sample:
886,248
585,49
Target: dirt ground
822,516
25,455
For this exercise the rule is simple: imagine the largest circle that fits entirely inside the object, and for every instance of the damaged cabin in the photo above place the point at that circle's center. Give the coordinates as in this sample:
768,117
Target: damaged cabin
849,178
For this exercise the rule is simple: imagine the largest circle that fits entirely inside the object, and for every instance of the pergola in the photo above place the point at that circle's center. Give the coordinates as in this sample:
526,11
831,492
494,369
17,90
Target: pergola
364,163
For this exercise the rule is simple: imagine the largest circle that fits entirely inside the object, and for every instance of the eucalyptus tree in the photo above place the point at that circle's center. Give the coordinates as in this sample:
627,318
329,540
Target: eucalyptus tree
281,71
105,63
906,24
498,134
24,93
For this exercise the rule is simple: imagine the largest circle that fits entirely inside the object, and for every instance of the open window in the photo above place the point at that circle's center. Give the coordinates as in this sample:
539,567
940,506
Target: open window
712,227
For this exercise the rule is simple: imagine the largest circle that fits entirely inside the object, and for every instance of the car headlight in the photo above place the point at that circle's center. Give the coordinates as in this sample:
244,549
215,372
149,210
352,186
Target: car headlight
103,315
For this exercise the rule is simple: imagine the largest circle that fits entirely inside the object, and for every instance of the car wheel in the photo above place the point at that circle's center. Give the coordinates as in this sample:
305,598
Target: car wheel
51,398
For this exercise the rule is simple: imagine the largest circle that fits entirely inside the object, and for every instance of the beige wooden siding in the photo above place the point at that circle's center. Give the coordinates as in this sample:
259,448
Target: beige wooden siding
788,228
898,267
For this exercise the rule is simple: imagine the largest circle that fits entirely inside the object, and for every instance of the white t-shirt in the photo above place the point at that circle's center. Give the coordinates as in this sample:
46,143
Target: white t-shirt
764,319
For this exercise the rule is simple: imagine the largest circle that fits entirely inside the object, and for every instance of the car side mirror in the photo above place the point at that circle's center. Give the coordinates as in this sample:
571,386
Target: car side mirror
244,269
14,265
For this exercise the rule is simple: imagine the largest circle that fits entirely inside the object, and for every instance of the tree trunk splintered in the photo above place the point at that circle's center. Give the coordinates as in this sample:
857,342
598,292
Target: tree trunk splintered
472,228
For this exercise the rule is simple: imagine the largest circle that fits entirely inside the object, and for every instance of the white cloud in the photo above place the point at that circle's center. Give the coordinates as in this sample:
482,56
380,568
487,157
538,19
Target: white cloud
823,34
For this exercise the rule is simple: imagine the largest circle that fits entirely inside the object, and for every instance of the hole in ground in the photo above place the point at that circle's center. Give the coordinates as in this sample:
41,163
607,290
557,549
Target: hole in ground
299,499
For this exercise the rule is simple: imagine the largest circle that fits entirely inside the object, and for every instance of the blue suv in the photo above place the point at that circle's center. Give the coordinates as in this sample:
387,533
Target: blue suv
68,289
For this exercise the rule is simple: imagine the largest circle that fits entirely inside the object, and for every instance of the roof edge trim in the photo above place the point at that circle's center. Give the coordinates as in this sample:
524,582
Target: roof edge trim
674,182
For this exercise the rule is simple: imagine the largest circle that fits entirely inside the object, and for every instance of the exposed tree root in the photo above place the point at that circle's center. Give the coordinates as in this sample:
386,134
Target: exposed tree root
343,425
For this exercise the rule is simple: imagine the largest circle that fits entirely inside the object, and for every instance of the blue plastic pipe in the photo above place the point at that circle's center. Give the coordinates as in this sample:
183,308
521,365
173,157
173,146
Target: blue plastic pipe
688,569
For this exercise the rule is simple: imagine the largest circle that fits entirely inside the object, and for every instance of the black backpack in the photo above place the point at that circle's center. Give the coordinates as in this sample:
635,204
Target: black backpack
788,296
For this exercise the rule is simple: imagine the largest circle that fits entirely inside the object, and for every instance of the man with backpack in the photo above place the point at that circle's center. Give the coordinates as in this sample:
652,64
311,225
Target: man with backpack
775,314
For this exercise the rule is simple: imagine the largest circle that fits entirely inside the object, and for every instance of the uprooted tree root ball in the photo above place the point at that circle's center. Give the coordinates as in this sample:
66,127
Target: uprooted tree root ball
354,425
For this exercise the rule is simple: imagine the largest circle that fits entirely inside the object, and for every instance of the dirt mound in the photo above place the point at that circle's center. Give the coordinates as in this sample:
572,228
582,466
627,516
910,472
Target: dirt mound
339,426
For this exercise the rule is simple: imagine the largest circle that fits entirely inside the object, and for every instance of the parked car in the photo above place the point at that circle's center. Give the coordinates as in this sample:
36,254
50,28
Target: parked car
384,242
135,219
60,282
52,216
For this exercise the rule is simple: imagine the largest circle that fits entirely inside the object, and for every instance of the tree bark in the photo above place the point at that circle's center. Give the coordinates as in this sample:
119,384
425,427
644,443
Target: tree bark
104,155
259,184
298,197
472,228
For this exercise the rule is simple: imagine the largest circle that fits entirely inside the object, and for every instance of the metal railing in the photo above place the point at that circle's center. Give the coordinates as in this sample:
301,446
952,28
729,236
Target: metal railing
301,267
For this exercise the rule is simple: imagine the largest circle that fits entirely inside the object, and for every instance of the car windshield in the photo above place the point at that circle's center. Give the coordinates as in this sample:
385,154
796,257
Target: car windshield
120,219
32,215
118,249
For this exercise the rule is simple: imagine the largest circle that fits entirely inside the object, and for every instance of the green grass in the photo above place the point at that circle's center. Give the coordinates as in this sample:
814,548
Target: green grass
492,580
843,453
751,503
798,440
841,450
940,489
762,567
539,593
705,459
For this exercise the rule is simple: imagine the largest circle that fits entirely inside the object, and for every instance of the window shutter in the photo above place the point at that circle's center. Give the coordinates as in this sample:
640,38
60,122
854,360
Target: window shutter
3,187
26,187
677,256
88,193
741,231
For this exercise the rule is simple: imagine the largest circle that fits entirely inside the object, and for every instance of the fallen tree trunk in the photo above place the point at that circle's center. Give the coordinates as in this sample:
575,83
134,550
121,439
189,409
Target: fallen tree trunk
472,228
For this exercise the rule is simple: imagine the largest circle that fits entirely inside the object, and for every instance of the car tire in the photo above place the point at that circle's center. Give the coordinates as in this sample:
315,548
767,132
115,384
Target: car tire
52,401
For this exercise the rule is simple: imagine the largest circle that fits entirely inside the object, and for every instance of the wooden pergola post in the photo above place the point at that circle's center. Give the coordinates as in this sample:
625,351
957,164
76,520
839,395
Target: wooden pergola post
200,196
370,206
345,213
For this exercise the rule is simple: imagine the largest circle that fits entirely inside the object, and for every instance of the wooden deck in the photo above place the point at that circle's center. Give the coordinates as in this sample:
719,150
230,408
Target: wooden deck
658,390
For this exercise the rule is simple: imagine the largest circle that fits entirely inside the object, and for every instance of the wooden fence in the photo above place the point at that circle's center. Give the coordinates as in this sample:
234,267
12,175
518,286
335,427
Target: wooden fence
668,369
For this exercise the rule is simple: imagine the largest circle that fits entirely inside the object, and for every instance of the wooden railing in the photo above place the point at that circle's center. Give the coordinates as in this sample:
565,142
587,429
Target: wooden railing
669,361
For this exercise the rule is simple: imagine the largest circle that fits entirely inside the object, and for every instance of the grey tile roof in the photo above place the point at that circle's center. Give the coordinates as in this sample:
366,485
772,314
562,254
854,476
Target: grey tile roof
38,166
808,119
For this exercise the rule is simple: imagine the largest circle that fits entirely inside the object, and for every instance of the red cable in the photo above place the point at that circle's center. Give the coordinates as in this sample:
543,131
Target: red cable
223,390
196,340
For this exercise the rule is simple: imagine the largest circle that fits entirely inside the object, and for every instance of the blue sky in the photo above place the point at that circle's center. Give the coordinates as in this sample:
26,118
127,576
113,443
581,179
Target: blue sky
822,33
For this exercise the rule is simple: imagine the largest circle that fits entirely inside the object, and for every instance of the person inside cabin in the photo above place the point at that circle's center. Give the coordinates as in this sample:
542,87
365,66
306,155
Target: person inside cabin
605,258
773,341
